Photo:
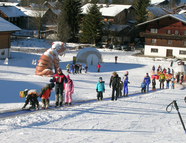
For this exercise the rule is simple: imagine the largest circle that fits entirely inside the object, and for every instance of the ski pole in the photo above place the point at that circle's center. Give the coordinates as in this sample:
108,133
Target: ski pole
176,106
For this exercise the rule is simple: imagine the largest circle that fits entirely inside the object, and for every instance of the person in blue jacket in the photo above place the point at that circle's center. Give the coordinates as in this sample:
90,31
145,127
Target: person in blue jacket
147,81
100,88
143,86
125,84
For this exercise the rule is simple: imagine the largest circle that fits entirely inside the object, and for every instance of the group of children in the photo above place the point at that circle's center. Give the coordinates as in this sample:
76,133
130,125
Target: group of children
64,83
75,68
60,82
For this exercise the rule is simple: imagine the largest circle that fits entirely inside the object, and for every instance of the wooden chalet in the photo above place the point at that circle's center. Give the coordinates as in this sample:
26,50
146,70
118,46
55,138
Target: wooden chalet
165,36
6,29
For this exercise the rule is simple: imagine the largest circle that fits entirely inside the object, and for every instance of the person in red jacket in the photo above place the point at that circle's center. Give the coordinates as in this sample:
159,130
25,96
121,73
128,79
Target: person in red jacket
98,66
59,79
116,57
45,94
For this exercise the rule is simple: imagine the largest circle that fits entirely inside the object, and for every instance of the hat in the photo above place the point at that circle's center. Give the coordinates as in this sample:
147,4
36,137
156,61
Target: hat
51,80
59,69
126,72
100,78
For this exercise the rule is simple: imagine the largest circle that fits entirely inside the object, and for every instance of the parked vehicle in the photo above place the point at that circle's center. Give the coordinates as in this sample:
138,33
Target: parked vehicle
126,47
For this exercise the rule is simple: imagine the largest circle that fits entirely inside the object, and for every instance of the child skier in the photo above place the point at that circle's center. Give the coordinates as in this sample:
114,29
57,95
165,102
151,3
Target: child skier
147,81
143,87
167,85
45,94
69,90
31,96
86,68
153,83
100,88
172,84
120,87
125,84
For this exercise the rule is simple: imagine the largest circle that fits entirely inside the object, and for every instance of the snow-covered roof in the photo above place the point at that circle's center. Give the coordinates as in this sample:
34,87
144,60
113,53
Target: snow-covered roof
53,4
156,2
11,11
57,12
157,11
7,26
182,11
180,17
31,12
112,10
9,4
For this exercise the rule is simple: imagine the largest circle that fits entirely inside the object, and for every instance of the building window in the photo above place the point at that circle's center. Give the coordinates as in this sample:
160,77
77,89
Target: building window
153,30
154,50
168,31
182,52
169,42
2,52
184,32
153,40
184,43
176,32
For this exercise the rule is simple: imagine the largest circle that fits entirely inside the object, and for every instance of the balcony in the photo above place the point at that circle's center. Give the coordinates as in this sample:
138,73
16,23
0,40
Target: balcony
163,36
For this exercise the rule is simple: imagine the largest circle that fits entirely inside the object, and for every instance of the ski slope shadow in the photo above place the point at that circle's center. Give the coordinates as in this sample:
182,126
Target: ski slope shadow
19,112
110,67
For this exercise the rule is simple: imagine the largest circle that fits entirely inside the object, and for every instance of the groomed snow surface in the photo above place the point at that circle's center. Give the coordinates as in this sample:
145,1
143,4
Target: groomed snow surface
140,119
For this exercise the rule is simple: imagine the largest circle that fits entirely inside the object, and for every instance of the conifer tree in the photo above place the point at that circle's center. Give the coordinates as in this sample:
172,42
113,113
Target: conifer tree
92,25
141,11
70,17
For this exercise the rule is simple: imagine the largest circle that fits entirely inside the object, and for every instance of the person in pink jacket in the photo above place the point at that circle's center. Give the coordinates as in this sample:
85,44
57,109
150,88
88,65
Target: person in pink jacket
69,89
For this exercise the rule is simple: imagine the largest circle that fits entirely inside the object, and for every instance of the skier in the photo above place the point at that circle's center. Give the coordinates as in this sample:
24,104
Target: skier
59,78
116,57
181,79
80,68
69,90
100,88
45,94
167,81
71,69
125,84
68,68
76,68
114,81
143,87
120,87
153,68
153,83
162,80
31,96
172,82
98,66
147,81
86,68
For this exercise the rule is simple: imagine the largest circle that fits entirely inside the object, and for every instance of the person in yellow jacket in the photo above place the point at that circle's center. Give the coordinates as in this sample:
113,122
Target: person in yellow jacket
68,68
162,80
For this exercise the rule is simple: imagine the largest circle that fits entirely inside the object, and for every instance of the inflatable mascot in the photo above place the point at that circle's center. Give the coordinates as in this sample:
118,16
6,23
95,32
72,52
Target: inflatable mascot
50,57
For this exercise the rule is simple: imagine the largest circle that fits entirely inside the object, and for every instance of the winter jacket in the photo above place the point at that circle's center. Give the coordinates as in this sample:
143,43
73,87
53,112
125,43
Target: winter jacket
68,67
45,92
32,92
162,77
98,66
69,87
147,79
120,85
153,82
114,81
143,84
100,86
60,78
125,80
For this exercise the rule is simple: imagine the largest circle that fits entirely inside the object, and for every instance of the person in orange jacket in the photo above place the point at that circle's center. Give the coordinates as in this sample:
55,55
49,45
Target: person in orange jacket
45,94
